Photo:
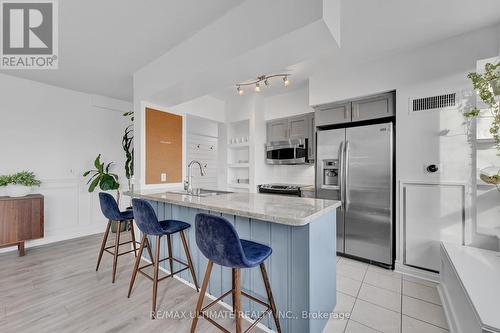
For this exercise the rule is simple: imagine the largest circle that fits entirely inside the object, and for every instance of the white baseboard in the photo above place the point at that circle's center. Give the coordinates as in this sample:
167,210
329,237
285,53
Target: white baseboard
415,272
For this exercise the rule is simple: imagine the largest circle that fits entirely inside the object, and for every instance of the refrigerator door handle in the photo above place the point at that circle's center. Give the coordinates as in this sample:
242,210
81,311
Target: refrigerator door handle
342,171
346,181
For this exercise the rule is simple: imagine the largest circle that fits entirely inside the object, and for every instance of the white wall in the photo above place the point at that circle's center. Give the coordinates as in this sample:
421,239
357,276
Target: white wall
57,133
288,104
430,136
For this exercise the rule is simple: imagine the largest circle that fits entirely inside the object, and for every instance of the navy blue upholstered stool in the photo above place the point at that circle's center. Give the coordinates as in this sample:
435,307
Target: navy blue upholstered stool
218,240
110,209
147,222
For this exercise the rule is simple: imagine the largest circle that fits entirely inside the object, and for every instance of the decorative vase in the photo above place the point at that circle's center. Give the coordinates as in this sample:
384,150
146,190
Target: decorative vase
495,86
15,190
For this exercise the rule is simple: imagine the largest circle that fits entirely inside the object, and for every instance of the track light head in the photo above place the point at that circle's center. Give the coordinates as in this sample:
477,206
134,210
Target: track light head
286,81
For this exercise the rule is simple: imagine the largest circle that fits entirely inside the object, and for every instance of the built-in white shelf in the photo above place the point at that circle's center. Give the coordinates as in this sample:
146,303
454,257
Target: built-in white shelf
239,185
242,145
238,165
239,158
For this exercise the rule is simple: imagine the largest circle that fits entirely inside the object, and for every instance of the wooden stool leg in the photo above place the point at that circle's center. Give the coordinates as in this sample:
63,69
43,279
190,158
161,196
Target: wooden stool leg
233,272
190,262
20,248
265,277
136,266
148,246
103,245
237,299
132,235
170,254
155,275
117,247
203,290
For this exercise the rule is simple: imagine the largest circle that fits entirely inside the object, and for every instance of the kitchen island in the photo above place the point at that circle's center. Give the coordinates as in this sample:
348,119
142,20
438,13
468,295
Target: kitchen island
302,234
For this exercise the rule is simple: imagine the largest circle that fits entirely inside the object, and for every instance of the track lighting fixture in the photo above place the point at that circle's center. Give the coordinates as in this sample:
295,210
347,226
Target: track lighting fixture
262,78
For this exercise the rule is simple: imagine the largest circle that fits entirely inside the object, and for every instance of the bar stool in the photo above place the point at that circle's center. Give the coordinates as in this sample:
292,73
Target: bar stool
147,222
110,209
218,240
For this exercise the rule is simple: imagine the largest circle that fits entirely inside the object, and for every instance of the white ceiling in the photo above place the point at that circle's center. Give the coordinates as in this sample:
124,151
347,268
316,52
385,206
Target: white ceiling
372,29
102,43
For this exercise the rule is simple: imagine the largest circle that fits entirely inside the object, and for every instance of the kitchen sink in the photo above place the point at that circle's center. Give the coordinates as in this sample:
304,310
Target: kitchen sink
200,192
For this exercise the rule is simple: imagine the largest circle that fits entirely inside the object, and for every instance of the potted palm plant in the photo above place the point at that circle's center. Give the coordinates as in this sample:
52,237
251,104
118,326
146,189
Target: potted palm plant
104,179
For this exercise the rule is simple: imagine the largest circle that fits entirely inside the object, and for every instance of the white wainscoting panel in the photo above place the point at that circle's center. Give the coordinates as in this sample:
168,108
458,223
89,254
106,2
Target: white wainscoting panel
431,213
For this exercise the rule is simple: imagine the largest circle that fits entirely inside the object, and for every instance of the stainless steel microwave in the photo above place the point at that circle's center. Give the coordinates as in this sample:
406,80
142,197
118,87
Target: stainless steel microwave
293,151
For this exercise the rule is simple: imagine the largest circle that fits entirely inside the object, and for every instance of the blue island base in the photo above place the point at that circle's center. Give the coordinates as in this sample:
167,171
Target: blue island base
301,268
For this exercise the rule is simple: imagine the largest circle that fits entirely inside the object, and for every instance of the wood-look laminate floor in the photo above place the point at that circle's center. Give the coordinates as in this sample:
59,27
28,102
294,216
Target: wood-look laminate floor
55,288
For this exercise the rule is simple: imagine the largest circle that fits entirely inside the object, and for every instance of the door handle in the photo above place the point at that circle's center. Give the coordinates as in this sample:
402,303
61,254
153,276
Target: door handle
342,170
346,162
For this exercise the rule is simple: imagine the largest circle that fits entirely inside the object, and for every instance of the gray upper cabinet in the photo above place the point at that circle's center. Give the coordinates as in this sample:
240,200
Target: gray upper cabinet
336,113
299,127
371,108
296,127
277,130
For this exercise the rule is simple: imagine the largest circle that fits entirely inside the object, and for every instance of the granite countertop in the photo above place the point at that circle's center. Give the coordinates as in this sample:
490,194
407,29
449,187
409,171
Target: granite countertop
287,210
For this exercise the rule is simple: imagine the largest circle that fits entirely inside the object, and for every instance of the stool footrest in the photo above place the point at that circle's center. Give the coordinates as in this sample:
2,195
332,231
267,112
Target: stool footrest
253,298
119,254
169,275
128,242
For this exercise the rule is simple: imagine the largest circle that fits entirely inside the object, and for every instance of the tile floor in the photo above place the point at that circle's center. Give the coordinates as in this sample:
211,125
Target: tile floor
378,300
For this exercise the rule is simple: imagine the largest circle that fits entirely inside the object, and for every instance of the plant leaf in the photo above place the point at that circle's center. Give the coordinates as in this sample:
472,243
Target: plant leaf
97,161
94,184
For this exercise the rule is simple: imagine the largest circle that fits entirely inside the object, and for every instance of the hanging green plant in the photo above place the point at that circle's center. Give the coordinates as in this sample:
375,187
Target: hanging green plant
487,86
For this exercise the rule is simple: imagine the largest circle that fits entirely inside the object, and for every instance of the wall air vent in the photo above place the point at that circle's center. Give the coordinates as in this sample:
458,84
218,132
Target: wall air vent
434,102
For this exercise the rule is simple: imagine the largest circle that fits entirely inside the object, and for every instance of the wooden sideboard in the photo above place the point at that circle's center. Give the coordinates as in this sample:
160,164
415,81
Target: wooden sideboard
21,219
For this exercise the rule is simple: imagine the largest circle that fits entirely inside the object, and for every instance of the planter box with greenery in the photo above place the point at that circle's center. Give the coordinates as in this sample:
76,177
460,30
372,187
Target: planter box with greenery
19,184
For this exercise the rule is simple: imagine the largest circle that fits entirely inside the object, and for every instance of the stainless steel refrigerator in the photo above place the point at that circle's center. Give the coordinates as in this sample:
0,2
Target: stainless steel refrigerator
355,165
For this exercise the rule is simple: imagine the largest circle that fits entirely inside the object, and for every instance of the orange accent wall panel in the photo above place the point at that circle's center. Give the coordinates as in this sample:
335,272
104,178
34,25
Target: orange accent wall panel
163,147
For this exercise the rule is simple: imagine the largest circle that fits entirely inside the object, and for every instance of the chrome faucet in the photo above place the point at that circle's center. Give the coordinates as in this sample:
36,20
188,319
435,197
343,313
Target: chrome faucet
188,182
